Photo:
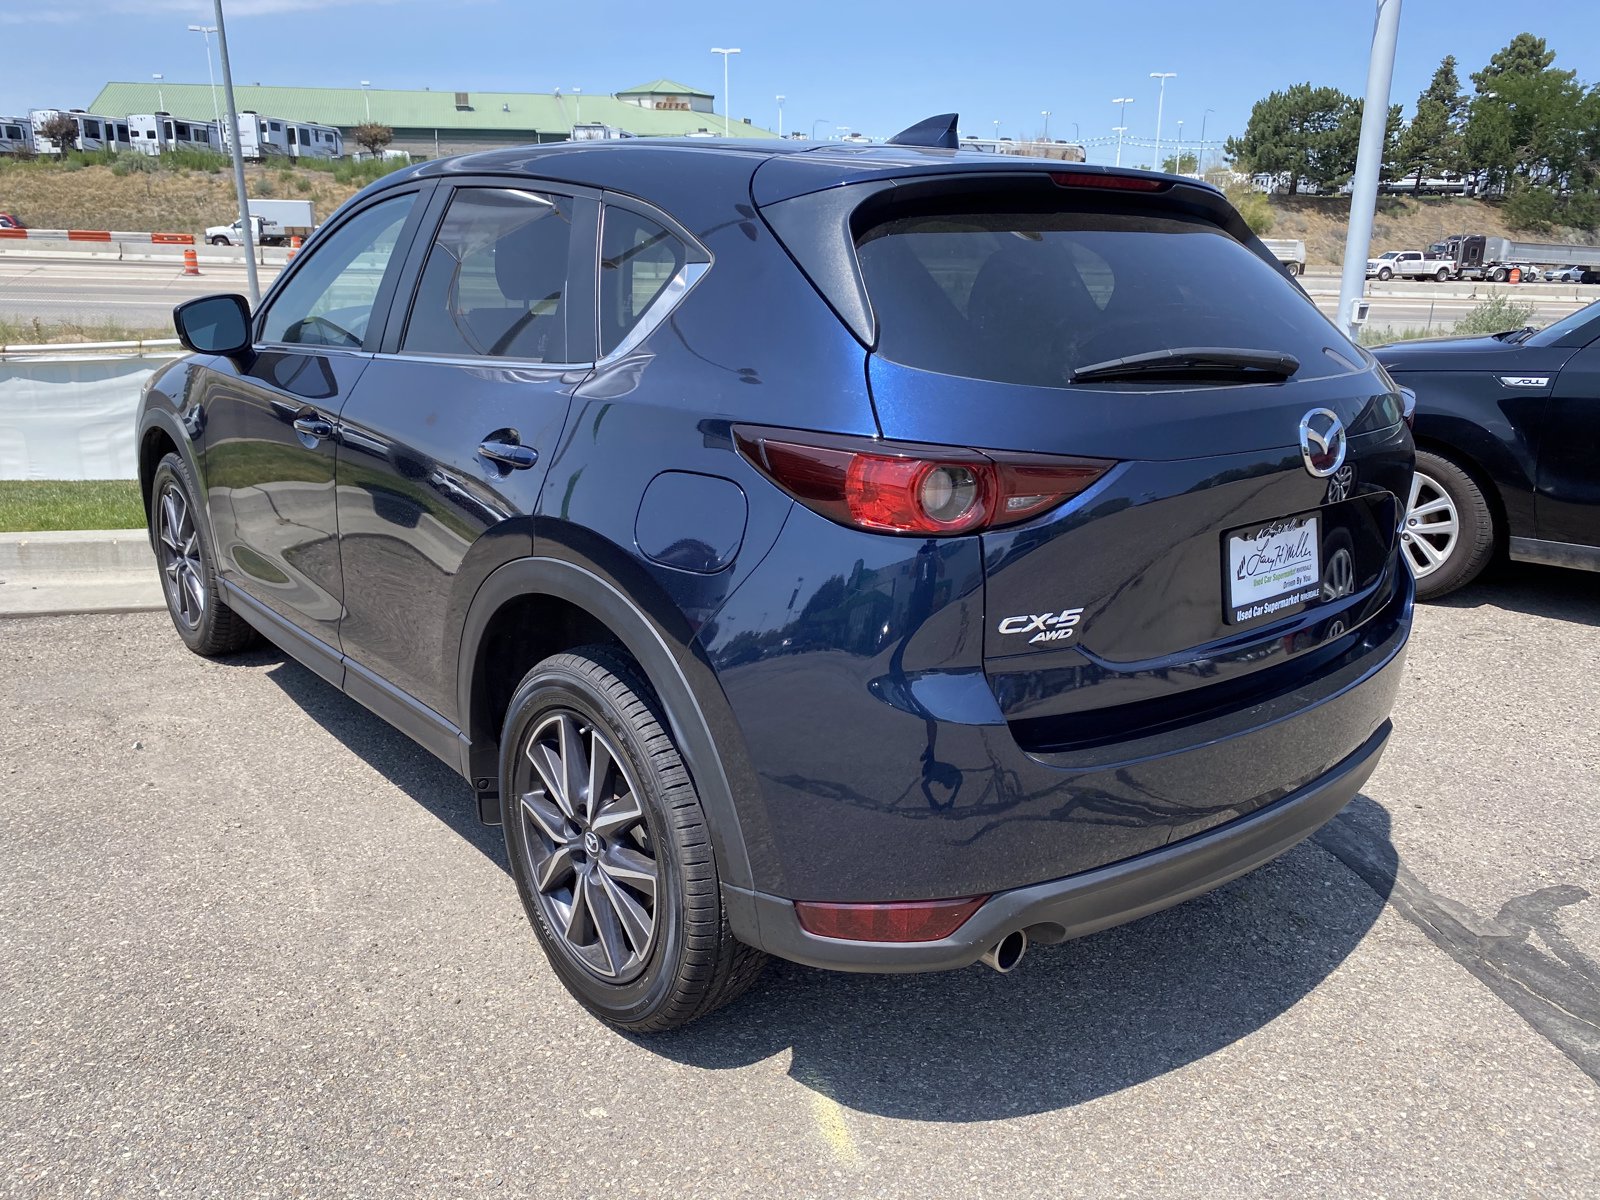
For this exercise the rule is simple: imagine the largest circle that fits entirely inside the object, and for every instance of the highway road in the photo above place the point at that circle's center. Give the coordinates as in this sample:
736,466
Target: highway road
140,295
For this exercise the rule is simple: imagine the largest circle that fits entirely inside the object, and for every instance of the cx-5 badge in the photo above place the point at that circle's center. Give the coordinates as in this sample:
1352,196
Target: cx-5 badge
1322,442
1045,627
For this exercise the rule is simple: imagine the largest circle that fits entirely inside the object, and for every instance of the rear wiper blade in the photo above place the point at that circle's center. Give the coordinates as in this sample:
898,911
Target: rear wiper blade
1515,336
1192,362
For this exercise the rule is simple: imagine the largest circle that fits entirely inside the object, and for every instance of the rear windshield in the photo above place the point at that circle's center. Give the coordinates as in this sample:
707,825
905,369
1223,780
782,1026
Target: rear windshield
1028,297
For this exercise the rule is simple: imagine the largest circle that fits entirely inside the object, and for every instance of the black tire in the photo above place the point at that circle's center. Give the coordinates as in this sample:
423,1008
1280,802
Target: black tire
691,963
206,625
1499,275
1442,274
220,241
1385,274
1293,268
1475,539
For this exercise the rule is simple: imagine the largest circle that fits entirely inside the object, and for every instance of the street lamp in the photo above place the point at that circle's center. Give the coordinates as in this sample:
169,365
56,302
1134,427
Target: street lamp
1046,115
237,152
1119,130
206,31
727,99
1199,156
780,116
996,134
1161,100
577,106
161,102
366,98
1178,160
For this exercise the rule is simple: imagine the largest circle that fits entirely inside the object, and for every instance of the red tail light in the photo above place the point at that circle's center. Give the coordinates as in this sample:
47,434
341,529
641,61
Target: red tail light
1112,183
896,921
895,487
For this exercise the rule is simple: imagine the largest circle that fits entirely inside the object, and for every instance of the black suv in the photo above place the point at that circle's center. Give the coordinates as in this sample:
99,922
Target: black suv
876,556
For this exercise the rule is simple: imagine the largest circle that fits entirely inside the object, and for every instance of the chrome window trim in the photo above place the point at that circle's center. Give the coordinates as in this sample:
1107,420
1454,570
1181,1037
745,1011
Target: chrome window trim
660,309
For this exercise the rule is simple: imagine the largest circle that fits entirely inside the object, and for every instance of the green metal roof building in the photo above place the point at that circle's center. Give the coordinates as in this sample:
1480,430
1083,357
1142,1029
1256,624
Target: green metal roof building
429,122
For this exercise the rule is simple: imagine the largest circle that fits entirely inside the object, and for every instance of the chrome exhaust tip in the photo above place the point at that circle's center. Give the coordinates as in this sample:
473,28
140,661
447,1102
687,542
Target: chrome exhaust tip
1005,954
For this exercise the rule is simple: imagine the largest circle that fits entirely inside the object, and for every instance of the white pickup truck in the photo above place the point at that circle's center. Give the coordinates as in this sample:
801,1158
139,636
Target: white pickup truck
276,221
1409,264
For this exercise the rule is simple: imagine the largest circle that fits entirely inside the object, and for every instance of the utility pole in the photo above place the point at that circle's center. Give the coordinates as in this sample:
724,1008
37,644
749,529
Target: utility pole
245,230
1046,115
780,116
727,98
366,99
207,31
1161,102
161,100
1200,154
1122,128
1369,159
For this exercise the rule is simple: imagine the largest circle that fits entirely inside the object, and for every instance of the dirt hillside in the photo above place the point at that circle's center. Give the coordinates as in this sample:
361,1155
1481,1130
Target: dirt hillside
1402,223
181,201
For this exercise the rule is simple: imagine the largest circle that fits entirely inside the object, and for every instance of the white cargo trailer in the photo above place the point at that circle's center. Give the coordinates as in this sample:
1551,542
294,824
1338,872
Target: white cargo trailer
1291,253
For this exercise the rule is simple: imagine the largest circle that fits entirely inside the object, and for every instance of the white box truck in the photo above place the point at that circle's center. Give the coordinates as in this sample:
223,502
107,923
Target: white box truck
1291,253
276,221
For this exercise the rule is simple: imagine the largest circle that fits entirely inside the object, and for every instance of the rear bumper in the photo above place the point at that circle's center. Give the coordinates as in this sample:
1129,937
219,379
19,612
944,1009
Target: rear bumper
1087,902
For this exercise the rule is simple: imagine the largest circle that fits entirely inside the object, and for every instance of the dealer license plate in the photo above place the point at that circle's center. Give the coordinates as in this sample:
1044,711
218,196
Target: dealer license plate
1273,568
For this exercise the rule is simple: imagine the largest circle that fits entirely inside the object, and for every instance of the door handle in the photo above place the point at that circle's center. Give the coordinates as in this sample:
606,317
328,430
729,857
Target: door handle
511,455
314,427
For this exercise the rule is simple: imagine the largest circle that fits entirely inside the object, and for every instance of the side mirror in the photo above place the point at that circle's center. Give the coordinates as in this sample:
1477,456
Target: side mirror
214,324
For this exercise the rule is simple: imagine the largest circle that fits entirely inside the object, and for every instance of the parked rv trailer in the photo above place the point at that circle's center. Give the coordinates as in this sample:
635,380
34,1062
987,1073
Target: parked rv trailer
155,132
305,139
16,135
259,137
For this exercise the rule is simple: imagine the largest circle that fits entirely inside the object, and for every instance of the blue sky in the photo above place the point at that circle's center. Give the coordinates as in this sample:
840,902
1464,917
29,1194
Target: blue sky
864,65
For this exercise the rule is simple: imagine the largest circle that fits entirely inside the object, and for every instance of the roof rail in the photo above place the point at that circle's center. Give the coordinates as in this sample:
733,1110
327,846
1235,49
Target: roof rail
938,132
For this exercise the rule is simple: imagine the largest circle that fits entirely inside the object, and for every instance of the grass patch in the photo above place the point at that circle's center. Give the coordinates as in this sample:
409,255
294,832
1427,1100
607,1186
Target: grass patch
36,505
34,332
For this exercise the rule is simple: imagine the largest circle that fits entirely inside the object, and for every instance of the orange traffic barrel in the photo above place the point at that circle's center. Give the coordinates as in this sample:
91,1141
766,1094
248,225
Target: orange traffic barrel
294,247
191,263
1516,274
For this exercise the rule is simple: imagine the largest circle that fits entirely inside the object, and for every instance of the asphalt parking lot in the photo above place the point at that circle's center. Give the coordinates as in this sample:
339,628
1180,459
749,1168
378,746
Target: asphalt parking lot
256,943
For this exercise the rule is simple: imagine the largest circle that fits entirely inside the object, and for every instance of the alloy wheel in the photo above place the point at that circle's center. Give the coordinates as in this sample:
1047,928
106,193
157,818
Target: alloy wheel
587,846
1432,528
178,545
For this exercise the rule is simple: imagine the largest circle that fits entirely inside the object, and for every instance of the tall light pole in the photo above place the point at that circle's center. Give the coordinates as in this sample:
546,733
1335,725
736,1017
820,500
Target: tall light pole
161,102
207,31
1121,129
577,106
1200,154
366,99
996,132
727,99
1369,159
1178,156
814,124
1046,115
1161,101
780,116
245,230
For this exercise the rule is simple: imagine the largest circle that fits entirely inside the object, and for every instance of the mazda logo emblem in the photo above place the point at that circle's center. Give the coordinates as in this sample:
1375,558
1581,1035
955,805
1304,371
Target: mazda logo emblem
1322,442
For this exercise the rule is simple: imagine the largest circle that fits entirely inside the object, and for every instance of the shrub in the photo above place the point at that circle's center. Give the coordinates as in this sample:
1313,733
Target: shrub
1495,315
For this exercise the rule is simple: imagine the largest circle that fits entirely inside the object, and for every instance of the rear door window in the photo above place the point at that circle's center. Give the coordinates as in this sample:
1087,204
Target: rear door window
495,283
1028,297
639,258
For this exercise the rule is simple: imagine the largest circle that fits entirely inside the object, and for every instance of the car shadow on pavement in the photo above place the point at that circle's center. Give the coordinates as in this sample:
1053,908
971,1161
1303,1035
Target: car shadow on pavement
1537,591
406,765
1074,1022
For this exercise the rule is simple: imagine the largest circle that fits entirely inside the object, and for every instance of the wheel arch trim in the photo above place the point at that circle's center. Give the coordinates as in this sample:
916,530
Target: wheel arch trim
681,704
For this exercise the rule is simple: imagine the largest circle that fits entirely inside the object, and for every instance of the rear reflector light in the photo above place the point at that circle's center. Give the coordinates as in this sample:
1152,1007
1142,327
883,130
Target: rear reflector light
890,487
895,921
1114,183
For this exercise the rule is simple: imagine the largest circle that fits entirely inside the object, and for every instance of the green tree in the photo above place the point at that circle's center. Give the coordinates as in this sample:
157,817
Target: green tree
1187,165
372,137
62,130
1432,144
1302,134
1523,55
1532,128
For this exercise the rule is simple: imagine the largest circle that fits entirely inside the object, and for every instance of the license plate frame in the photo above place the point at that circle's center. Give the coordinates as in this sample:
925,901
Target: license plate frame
1271,570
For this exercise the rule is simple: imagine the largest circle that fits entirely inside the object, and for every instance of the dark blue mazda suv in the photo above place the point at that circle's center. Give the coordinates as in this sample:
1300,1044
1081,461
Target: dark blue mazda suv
883,557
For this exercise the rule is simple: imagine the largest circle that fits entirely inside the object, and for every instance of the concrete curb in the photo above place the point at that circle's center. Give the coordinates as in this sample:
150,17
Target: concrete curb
78,571
75,550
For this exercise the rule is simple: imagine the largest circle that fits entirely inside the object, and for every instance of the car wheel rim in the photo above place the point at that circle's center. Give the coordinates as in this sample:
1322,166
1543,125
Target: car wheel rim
178,543
587,848
1432,528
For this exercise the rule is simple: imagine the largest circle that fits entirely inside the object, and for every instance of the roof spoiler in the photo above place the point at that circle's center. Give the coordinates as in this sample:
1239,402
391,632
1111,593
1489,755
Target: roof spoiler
938,132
